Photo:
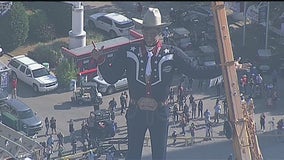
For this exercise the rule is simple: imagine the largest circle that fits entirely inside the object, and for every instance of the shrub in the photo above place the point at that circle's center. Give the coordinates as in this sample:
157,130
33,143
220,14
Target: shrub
48,53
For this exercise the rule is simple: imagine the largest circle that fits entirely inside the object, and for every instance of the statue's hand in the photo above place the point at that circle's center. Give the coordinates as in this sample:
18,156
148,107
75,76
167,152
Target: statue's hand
98,55
244,66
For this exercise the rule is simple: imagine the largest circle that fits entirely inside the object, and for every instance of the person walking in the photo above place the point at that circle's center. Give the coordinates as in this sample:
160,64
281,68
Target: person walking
60,138
149,65
46,123
262,122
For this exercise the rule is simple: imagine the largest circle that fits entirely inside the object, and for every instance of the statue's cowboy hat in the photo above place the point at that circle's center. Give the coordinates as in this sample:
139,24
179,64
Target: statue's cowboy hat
152,18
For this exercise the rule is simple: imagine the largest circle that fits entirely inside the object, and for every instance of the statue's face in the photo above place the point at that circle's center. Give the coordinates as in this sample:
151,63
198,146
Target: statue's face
151,35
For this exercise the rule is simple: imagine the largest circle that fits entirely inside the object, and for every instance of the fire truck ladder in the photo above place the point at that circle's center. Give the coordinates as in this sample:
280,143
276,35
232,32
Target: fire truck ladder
245,142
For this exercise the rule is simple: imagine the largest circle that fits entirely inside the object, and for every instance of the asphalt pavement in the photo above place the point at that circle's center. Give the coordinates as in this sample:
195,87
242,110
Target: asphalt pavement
58,104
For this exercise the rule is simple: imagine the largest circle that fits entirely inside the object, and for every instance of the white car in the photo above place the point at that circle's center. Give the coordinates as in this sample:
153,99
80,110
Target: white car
107,88
113,23
32,73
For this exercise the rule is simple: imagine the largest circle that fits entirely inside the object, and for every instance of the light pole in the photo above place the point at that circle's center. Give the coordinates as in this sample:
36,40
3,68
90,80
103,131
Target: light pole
245,23
267,25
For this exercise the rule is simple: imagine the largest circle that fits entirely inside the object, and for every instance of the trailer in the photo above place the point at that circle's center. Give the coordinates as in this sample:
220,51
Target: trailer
81,56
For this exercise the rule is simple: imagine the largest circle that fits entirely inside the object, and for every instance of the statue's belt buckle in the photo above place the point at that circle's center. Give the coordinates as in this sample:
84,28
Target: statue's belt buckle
149,104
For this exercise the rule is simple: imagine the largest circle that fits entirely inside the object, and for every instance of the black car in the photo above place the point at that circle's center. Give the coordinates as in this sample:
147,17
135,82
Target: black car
19,116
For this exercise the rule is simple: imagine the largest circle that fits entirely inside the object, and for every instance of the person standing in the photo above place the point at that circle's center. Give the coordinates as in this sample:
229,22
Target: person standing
171,96
274,77
217,114
149,65
71,127
191,99
192,129
126,98
139,9
262,122
209,131
112,105
74,145
193,111
46,123
175,113
225,106
183,124
200,108
50,143
174,135
207,115
14,87
53,125
122,103
60,151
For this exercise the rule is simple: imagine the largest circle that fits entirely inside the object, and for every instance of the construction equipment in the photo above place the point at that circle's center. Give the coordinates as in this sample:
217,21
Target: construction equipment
241,120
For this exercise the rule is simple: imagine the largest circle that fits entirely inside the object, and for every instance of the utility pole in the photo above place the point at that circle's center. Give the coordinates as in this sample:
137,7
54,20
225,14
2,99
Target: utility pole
245,142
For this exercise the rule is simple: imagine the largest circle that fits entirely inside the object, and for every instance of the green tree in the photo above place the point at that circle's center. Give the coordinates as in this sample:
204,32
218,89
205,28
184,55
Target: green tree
16,27
40,29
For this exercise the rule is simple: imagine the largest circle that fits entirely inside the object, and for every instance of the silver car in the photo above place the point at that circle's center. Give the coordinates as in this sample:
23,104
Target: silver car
107,88
113,23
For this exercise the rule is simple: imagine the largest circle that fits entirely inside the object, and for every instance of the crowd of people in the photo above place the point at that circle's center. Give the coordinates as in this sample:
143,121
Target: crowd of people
185,107
88,135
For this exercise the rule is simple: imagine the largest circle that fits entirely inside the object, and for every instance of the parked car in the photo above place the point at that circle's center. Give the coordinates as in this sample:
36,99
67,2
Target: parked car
33,73
19,116
107,88
113,23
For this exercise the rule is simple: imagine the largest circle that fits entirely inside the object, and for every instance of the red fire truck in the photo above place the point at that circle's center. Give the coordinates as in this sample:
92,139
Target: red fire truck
82,56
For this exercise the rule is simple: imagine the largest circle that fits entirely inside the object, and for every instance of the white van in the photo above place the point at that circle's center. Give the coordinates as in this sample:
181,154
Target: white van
33,73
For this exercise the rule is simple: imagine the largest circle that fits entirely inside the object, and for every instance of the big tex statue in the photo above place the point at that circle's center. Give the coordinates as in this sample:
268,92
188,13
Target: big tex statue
149,66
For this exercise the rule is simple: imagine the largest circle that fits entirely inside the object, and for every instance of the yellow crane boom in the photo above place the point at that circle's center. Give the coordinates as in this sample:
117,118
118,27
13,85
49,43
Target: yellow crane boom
245,141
